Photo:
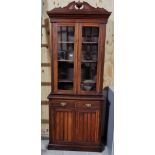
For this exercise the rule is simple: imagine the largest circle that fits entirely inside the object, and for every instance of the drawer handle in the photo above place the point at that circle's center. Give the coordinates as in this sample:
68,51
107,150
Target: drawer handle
88,105
63,104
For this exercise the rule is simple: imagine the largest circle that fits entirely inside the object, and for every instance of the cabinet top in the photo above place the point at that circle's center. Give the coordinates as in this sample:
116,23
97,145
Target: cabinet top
80,10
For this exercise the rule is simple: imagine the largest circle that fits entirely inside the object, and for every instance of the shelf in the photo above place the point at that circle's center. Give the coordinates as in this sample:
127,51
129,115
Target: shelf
65,31
70,61
68,81
66,42
88,61
85,42
91,82
90,35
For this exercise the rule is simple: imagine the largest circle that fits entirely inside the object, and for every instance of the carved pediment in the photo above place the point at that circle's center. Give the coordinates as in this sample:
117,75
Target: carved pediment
78,9
79,6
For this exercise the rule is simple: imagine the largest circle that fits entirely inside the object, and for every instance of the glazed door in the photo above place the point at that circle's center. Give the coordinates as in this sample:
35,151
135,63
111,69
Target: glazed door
88,126
64,57
62,125
88,58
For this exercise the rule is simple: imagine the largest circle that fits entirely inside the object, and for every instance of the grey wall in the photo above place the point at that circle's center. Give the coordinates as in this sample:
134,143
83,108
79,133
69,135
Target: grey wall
110,122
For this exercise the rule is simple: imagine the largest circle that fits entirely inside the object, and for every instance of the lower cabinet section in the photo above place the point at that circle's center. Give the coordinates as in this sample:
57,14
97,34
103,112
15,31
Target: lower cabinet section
75,125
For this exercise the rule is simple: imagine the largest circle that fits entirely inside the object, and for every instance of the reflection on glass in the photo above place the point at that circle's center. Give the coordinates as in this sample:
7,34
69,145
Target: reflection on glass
65,57
65,43
65,51
66,34
88,76
89,58
90,34
89,52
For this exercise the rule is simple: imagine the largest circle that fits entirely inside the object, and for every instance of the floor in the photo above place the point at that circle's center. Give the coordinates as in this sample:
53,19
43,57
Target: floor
44,151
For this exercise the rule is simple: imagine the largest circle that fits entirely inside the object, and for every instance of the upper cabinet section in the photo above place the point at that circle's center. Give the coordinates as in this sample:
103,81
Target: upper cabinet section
77,47
79,10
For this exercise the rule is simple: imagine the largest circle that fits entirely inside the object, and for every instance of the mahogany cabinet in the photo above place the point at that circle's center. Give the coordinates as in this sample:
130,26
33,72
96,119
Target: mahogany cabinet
76,102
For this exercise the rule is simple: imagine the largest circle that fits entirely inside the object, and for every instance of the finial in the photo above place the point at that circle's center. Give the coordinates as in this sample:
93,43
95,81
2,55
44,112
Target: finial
79,4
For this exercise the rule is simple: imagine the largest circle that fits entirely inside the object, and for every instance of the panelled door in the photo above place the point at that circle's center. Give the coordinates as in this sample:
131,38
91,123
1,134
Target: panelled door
88,56
76,51
88,126
63,125
64,57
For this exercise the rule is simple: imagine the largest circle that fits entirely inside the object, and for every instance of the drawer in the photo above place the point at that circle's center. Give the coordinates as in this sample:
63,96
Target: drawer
88,104
62,103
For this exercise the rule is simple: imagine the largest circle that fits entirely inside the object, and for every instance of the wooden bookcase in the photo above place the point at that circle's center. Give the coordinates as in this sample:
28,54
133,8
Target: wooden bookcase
76,103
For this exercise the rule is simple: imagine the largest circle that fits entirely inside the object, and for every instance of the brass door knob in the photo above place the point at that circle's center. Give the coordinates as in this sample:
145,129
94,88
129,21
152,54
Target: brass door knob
88,105
63,104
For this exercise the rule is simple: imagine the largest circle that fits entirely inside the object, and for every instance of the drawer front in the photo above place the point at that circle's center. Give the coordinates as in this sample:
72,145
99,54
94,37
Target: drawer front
62,103
88,104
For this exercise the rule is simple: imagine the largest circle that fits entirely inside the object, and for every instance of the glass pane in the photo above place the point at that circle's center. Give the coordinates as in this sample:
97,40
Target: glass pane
66,33
90,37
88,76
65,57
90,34
89,52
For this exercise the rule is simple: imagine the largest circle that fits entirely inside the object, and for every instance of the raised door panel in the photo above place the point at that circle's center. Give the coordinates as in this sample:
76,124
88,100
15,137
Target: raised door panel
88,126
63,126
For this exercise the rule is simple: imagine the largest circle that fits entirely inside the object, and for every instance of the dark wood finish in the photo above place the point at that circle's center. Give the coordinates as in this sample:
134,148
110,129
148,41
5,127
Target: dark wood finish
55,58
63,129
98,97
62,103
90,105
75,147
76,116
87,126
85,12
79,60
76,124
